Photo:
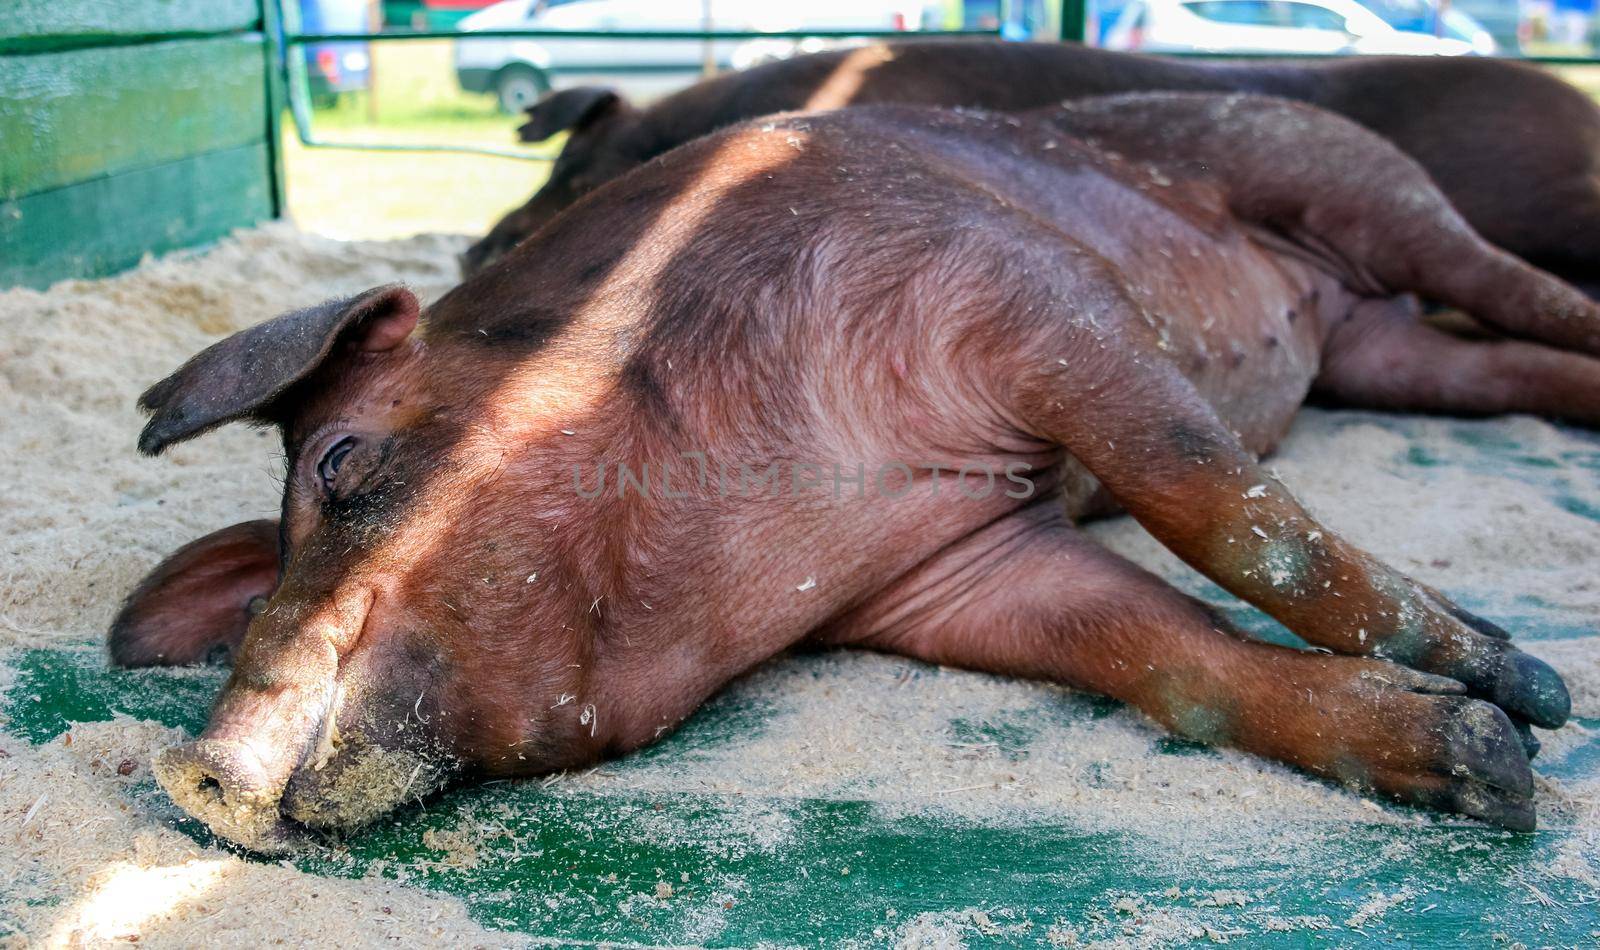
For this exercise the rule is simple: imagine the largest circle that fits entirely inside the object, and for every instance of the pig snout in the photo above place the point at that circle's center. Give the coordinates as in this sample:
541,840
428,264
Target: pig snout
342,782
224,783
296,747
363,780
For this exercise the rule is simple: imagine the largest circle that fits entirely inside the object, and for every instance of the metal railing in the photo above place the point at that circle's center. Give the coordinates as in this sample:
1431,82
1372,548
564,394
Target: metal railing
285,40
293,84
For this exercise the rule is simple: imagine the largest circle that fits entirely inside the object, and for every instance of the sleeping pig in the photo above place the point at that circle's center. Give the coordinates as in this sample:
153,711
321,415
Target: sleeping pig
1514,148
850,379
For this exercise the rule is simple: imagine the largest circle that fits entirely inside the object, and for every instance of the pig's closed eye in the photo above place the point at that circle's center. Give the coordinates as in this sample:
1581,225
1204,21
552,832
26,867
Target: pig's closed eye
328,468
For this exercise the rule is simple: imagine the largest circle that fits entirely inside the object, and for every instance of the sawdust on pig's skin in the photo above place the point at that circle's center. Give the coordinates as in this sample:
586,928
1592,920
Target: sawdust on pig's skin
95,516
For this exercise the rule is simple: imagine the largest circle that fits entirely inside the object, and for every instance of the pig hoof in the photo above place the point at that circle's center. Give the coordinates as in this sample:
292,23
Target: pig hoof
1524,686
1445,752
1530,743
1488,773
1528,687
1493,669
1495,806
1481,738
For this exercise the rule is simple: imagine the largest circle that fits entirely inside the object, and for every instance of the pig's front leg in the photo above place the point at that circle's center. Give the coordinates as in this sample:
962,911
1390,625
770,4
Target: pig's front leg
1127,413
1030,596
1383,356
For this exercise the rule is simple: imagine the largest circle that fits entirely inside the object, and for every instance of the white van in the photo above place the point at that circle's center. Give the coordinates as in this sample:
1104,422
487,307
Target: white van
519,71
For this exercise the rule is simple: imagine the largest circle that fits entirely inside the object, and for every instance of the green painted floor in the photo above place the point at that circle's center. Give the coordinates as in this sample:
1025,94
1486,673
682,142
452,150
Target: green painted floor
849,872
689,867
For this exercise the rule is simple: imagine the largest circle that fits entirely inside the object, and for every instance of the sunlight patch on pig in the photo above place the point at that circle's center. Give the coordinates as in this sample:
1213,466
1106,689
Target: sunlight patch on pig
734,163
542,395
847,78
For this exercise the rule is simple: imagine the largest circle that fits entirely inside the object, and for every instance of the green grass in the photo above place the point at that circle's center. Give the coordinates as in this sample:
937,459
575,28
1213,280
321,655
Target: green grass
380,195
1586,78
414,93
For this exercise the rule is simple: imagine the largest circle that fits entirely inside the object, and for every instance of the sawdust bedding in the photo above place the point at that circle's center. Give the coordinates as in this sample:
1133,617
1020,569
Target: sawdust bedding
82,860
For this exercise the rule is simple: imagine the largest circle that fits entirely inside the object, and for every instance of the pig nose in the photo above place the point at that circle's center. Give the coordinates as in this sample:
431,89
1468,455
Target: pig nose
208,775
223,783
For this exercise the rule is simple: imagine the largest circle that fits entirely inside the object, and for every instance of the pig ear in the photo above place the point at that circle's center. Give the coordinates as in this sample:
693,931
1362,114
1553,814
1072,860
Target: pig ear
568,109
243,374
196,605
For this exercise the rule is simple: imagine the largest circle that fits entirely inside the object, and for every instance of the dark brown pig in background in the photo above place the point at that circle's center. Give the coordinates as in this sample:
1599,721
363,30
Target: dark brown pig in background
1513,147
1127,300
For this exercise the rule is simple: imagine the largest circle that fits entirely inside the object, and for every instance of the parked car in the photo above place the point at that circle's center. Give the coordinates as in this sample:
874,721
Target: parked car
519,71
333,69
1450,21
1287,26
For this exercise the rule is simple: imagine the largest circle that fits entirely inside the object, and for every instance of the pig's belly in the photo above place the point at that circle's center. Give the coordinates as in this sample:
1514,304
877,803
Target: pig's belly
1243,323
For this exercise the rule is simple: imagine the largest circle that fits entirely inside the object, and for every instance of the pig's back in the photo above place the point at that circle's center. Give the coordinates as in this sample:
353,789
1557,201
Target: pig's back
949,74
1235,316
1241,320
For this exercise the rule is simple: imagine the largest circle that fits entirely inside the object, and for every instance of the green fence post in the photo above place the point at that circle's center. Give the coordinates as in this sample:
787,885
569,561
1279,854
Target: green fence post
1074,20
273,51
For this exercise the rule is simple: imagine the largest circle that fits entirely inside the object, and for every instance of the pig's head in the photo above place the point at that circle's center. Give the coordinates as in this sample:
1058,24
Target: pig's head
395,635
600,129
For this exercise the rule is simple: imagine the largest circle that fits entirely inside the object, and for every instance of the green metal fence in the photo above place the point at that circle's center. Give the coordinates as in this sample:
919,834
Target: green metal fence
289,40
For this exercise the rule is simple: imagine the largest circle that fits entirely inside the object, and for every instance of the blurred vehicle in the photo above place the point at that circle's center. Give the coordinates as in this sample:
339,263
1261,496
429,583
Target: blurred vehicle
1503,19
430,14
333,69
1289,26
1428,18
519,71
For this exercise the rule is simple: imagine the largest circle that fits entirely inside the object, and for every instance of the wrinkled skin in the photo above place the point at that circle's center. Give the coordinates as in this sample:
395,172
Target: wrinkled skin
1514,148
1127,300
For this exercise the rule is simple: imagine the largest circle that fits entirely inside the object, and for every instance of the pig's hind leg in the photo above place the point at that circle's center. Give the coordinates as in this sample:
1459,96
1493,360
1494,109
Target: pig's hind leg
1030,596
1344,196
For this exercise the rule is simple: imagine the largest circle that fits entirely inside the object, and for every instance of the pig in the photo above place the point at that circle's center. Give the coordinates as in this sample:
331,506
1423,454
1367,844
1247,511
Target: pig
538,525
1513,147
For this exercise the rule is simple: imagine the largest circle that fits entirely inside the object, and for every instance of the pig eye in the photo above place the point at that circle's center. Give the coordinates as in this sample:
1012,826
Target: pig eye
328,468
